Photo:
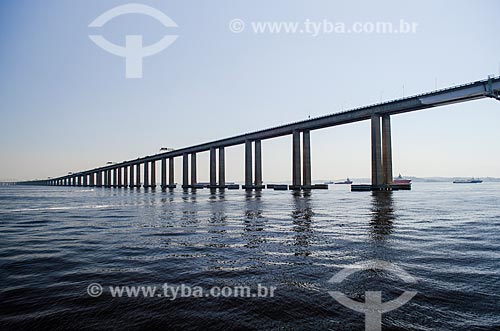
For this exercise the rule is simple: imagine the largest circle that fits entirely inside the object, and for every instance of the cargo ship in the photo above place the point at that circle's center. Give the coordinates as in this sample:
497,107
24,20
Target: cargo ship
401,180
347,181
467,181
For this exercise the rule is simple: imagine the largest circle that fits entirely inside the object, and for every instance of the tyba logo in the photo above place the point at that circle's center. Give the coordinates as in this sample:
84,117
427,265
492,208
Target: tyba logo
133,52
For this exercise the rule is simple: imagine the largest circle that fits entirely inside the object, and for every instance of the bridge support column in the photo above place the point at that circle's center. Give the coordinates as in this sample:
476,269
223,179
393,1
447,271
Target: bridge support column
171,178
386,150
131,176
194,180
138,175
125,176
213,167
222,167
115,177
296,171
145,182
119,177
79,180
258,164
99,179
109,183
163,173
185,169
84,180
306,158
377,176
153,174
248,164
91,180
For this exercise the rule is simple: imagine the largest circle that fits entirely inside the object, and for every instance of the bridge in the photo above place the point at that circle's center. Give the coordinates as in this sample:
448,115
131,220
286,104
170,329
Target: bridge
128,173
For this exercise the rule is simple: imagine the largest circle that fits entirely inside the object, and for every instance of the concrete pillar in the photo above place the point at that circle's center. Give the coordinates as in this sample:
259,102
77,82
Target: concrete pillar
108,180
193,169
99,179
171,178
306,157
185,168
131,176
79,180
84,180
296,173
248,163
119,177
153,174
222,167
163,172
386,150
145,182
138,175
258,163
125,176
92,179
115,177
213,167
377,176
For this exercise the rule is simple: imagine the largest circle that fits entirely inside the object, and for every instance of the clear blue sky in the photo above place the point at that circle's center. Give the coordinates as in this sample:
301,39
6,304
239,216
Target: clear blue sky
65,104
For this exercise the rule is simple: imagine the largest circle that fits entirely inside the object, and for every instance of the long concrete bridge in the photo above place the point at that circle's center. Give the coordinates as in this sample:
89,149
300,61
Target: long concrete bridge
128,173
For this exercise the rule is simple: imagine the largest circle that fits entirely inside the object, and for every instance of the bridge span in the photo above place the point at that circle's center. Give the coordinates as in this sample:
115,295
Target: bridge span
128,173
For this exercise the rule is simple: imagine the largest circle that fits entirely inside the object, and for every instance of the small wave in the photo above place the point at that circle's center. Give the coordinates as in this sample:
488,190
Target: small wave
55,208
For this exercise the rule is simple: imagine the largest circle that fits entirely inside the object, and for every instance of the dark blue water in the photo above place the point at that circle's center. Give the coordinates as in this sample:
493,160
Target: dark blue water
55,241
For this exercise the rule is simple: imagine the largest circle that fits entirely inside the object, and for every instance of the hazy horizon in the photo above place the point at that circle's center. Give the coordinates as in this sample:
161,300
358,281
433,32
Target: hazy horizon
66,106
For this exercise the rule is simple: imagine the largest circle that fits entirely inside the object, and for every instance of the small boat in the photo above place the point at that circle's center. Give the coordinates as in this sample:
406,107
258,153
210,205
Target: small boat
347,181
329,182
467,181
401,180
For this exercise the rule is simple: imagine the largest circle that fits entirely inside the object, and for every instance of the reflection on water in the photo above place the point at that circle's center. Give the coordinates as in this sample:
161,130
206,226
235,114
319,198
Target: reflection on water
382,214
302,217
